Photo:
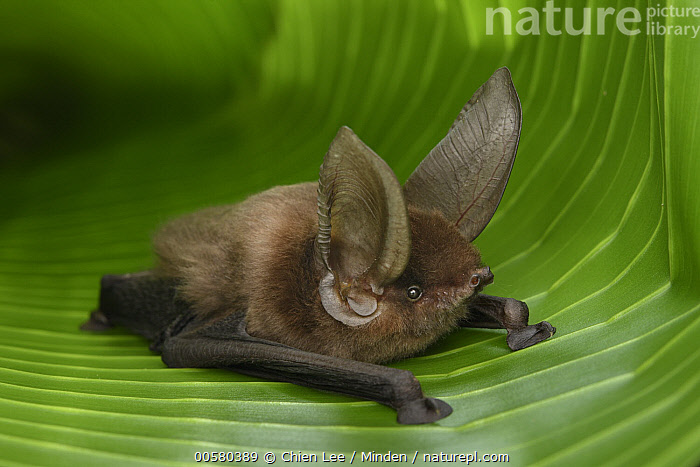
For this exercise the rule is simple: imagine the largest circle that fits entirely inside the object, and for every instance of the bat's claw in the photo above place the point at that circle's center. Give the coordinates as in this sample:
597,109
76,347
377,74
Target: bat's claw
529,335
426,410
97,322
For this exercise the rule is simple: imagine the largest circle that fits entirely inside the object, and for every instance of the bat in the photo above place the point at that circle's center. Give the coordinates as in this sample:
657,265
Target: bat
319,283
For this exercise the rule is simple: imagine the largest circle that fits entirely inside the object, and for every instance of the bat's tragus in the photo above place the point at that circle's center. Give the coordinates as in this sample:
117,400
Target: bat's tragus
316,284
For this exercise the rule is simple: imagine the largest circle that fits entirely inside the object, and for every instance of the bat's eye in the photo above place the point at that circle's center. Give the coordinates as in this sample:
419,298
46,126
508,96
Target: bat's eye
475,280
414,292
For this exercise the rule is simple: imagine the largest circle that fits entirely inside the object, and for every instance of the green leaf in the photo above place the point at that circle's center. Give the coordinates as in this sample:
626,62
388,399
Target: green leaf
117,115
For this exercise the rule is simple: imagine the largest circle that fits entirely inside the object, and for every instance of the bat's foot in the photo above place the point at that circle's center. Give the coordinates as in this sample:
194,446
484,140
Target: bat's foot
97,322
426,410
529,335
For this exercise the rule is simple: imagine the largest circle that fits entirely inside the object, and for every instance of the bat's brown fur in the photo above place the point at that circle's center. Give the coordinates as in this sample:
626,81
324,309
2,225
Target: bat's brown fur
258,255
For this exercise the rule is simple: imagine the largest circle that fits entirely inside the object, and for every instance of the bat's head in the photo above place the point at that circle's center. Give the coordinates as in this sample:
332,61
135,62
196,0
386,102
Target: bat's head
444,269
407,251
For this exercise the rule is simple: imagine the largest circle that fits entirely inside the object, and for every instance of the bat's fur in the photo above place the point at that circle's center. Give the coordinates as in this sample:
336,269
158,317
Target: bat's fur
258,255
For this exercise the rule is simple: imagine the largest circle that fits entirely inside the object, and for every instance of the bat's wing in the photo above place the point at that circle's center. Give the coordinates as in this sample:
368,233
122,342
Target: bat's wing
149,305
226,344
142,302
465,175
486,311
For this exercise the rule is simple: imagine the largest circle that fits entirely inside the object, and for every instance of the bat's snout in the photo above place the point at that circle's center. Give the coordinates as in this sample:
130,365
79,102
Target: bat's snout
486,276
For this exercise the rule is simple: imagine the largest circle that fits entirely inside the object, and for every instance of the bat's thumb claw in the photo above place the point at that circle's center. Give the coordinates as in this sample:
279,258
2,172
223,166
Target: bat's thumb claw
426,410
519,339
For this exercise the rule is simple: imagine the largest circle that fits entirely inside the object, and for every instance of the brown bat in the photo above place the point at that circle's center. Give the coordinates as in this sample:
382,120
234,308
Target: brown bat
316,284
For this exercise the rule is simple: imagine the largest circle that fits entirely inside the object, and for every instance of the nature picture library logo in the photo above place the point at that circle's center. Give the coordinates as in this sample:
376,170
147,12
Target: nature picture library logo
630,21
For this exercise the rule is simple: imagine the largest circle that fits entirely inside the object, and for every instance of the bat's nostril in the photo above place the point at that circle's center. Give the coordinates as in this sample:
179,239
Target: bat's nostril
487,275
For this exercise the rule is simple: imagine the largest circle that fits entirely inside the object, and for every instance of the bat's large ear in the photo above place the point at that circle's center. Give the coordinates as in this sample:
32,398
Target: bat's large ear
363,238
465,175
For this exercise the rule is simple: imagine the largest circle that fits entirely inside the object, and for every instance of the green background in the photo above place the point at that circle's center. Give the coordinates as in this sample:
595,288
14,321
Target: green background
118,115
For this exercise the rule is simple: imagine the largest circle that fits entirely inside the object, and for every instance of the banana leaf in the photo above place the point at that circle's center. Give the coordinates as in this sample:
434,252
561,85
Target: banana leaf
118,115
